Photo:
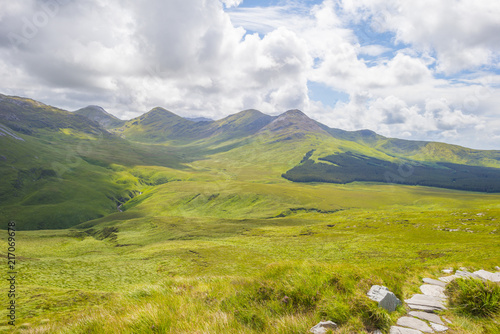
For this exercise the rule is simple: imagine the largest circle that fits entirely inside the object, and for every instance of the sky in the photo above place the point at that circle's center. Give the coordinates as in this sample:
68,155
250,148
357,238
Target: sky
419,70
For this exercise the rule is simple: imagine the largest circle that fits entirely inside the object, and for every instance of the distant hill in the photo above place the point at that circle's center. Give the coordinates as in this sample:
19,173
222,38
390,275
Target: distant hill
294,122
56,166
161,125
27,116
100,116
50,157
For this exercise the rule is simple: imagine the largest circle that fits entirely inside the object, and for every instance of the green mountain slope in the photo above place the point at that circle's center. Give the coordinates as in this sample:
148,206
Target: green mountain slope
348,167
60,168
160,125
27,116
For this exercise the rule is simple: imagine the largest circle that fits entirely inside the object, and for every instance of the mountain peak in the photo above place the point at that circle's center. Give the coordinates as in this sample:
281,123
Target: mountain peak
158,111
100,116
159,114
96,107
294,121
294,113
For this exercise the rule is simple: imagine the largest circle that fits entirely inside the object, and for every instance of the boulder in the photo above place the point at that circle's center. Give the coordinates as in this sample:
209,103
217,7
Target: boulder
323,326
385,298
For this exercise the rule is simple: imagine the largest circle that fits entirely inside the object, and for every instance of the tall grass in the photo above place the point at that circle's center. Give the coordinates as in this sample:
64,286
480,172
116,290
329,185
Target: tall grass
474,297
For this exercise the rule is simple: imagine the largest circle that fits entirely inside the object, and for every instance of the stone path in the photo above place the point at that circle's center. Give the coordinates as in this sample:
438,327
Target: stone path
422,317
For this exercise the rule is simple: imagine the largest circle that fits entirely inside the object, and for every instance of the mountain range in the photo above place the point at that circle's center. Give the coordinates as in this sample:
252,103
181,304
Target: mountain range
60,168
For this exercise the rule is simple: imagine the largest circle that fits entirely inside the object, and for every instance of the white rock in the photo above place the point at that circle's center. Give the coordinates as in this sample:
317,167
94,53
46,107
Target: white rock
426,303
434,282
414,323
448,279
427,316
385,298
447,270
422,307
322,327
433,290
438,327
377,292
402,330
486,275
463,273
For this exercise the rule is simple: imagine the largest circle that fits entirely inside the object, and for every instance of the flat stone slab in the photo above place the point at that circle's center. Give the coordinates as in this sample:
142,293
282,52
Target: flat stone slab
438,327
435,303
402,330
486,275
414,323
433,290
427,316
463,273
423,308
426,298
447,271
434,282
448,279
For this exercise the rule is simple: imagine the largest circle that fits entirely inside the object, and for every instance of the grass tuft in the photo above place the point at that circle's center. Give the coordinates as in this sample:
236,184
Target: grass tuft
474,297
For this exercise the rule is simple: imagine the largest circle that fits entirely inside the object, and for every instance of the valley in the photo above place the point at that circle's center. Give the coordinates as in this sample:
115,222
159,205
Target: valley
220,220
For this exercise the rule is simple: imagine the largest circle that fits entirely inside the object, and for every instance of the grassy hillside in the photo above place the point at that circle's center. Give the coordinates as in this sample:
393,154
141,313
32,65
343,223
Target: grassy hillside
156,268
49,183
160,125
348,167
174,226
59,169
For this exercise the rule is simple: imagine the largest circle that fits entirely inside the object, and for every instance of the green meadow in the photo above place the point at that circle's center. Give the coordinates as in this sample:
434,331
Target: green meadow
208,252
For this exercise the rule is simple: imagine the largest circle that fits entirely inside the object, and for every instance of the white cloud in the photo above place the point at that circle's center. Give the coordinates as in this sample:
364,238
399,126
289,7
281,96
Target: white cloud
213,58
373,50
231,3
464,34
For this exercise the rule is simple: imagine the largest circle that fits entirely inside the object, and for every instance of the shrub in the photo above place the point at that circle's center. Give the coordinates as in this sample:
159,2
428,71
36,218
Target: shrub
474,297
